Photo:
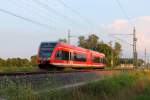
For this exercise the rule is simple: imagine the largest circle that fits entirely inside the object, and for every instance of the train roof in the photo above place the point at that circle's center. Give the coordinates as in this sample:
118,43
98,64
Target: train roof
80,48
74,47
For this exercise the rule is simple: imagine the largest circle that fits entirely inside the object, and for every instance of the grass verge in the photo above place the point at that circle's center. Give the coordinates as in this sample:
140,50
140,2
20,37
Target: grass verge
123,86
18,69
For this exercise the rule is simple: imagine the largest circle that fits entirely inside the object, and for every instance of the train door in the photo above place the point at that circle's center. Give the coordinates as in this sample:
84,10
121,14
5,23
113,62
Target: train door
62,58
79,59
70,58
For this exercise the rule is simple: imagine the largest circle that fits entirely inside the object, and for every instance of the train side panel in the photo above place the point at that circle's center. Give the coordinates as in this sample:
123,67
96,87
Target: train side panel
64,55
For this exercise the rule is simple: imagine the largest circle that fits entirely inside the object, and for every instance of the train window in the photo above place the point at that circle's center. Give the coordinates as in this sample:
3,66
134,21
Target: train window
58,55
79,57
104,60
48,45
62,55
46,49
96,59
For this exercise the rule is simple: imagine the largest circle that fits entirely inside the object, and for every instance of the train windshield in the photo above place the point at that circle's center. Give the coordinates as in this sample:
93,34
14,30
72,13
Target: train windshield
46,49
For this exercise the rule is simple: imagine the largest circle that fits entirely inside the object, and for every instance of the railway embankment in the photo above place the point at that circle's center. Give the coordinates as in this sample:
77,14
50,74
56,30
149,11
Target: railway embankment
127,85
20,85
122,86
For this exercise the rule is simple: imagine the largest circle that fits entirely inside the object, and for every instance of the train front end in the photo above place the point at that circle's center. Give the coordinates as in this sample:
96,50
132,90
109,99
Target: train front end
44,54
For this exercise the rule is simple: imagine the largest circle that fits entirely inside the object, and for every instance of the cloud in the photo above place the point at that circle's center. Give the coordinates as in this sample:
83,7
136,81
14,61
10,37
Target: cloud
144,18
118,25
122,26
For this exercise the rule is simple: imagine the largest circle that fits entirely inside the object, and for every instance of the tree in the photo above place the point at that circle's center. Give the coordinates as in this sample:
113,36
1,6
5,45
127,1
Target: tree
117,48
62,40
2,62
92,42
107,50
82,42
34,60
17,62
117,52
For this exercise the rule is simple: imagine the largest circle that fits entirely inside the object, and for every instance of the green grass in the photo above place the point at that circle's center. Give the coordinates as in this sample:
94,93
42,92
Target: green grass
18,69
123,86
126,86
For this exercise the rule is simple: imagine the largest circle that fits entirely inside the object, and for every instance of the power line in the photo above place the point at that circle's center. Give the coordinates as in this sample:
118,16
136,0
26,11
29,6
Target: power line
125,14
47,16
50,9
27,19
35,22
123,41
16,3
33,11
85,19
135,58
75,12
123,35
123,11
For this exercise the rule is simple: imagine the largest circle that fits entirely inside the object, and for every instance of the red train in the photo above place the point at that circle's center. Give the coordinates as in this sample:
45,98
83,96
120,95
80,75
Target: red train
61,55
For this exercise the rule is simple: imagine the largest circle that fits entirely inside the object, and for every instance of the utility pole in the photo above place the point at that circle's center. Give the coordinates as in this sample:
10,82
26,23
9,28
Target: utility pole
69,36
112,62
135,59
145,58
147,62
134,48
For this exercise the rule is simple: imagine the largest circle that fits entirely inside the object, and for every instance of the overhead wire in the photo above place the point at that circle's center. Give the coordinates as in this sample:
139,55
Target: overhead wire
25,5
123,11
125,14
61,15
26,19
38,14
46,16
49,17
46,7
86,20
121,7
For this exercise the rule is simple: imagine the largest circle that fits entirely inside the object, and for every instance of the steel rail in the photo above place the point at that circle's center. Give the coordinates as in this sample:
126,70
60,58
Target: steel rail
56,72
38,72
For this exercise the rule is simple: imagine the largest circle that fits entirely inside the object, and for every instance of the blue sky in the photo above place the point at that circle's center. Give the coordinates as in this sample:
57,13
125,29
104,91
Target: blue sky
19,38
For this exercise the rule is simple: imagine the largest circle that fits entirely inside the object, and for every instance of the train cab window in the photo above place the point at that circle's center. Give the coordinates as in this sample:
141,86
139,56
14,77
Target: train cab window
79,57
46,49
62,55
96,59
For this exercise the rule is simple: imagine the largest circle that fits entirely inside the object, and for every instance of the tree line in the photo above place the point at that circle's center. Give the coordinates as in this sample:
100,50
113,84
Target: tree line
130,61
111,51
18,62
93,42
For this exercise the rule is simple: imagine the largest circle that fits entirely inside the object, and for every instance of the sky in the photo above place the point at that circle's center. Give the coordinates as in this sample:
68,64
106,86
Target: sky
21,38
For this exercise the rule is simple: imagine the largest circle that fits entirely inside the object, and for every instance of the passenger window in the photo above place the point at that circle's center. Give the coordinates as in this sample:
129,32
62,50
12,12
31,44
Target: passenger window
62,55
104,60
58,55
96,59
79,57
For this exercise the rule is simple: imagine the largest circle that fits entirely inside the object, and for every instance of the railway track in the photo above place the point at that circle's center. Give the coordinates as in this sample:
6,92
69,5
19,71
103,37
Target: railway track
58,72
44,79
38,73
